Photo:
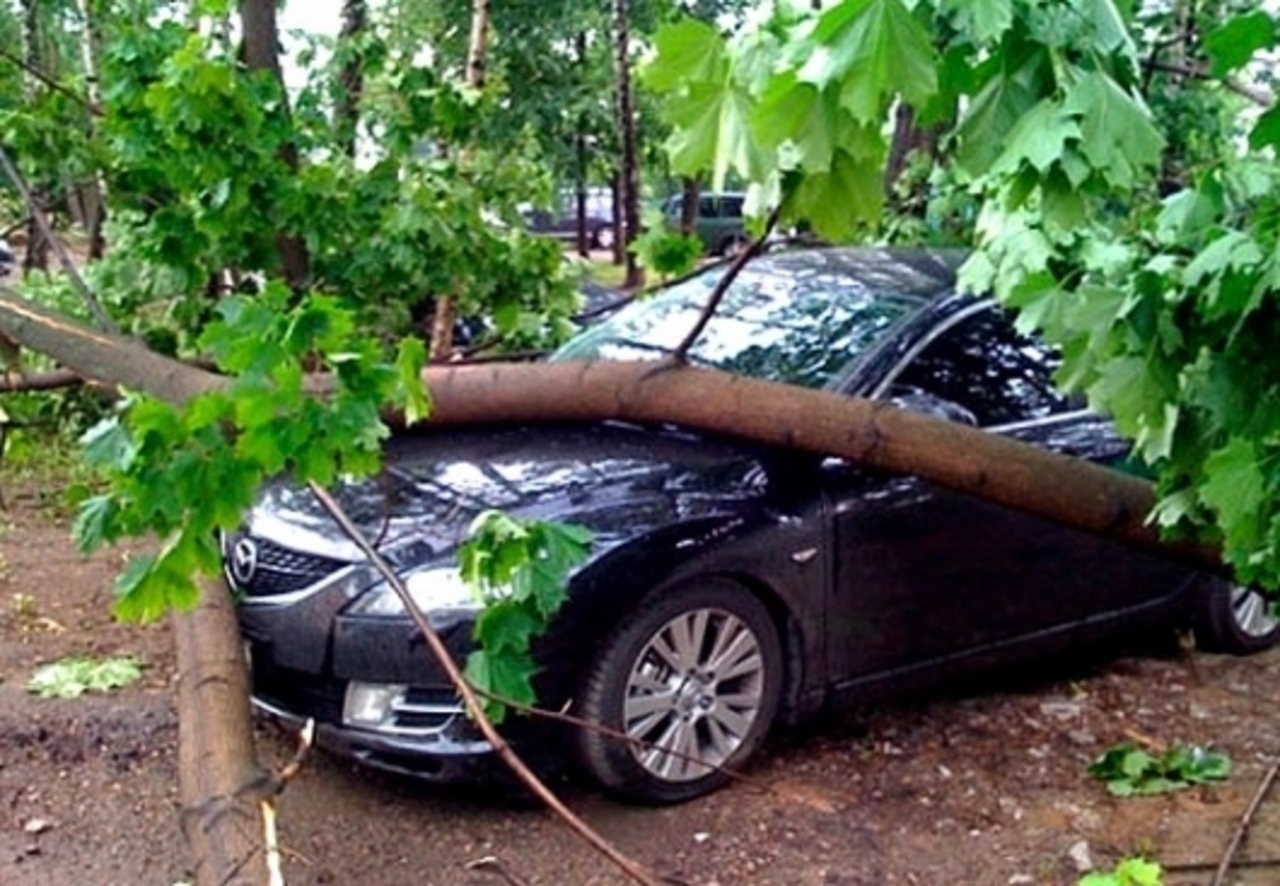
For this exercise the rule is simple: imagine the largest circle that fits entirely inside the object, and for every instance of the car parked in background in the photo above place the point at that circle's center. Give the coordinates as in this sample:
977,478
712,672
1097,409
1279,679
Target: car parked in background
561,222
720,224
732,586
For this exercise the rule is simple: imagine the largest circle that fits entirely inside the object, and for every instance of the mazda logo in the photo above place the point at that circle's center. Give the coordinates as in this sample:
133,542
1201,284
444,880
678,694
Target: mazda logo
244,561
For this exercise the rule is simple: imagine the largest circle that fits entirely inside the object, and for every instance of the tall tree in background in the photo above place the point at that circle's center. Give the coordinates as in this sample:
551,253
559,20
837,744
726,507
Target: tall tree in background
628,192
355,24
262,53
446,307
90,194
38,246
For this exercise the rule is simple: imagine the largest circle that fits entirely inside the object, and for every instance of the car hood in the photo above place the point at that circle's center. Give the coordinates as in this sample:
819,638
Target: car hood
618,480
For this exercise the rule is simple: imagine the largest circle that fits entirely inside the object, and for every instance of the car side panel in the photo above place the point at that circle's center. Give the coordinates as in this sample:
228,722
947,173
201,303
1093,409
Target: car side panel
924,574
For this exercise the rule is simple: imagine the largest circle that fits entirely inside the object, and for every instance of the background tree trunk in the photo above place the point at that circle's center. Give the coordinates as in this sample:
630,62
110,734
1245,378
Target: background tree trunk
92,194
36,257
629,177
691,193
355,22
446,310
261,53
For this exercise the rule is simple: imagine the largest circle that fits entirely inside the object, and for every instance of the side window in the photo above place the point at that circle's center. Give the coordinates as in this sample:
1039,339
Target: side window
708,207
985,365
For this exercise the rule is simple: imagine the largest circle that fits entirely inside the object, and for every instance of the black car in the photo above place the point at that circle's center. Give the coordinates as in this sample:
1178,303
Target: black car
731,586
564,227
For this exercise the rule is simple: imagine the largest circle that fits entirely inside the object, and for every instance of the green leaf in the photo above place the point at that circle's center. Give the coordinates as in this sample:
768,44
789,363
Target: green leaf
108,446
93,521
686,51
874,49
1117,135
801,115
1266,131
506,626
410,358
1039,138
713,133
996,108
982,21
836,202
1234,488
506,675
73,677
1233,43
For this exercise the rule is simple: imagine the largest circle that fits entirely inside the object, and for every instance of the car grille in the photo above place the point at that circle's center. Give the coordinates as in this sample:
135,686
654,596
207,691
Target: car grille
426,710
281,570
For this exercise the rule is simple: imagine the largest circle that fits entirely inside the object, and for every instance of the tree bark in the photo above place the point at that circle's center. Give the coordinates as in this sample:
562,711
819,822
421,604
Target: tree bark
261,53
221,782
691,193
92,194
36,256
355,22
629,177
446,310
872,433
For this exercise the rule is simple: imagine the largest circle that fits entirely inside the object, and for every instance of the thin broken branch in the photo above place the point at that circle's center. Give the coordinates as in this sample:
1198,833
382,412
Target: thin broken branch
1261,97
50,82
100,316
54,380
472,701
681,353
1264,786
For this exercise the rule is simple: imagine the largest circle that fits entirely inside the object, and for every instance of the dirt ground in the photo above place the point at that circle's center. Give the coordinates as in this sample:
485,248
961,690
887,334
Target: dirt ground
980,786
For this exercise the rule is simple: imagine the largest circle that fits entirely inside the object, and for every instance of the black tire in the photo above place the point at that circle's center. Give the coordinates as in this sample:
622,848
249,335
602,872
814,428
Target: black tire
695,710
733,244
1229,619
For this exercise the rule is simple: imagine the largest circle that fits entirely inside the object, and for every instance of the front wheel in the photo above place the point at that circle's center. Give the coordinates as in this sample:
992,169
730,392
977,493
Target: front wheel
1235,619
692,678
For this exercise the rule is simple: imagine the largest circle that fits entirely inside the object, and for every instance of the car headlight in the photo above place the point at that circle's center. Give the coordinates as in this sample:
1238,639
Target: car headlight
431,590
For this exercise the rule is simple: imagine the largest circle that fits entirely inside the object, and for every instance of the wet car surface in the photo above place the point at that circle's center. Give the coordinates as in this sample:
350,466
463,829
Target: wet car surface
731,586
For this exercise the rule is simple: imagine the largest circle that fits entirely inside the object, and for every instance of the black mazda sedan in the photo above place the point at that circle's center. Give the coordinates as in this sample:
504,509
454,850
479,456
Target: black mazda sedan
731,587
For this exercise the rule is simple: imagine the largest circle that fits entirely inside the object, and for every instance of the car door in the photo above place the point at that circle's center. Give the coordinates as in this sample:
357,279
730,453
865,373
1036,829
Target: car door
923,573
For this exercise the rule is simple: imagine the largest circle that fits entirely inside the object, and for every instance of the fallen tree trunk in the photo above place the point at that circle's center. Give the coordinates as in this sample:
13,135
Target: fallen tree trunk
220,782
876,434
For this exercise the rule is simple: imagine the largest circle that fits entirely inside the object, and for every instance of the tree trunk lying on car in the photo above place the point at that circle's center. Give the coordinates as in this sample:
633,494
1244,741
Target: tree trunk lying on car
220,773
876,434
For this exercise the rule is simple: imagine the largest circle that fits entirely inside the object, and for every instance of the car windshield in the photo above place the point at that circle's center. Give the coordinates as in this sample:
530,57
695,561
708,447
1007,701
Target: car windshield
783,322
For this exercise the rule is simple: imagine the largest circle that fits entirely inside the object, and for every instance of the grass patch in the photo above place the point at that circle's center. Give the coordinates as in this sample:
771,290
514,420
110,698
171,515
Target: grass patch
606,273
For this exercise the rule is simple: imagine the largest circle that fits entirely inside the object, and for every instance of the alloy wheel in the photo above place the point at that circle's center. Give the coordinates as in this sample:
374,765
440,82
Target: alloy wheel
1252,612
693,694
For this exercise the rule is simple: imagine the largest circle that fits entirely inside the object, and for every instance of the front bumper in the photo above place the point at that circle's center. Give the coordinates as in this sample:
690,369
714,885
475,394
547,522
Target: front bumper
454,754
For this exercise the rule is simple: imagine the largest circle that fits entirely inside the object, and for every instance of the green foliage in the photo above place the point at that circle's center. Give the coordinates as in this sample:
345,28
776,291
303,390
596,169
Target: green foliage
520,570
1130,771
667,253
1129,872
1112,201
184,473
73,677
